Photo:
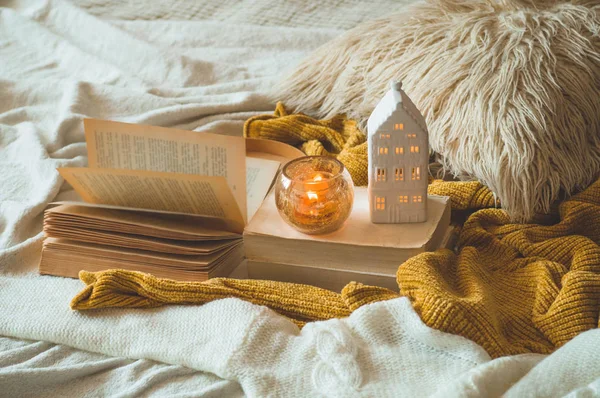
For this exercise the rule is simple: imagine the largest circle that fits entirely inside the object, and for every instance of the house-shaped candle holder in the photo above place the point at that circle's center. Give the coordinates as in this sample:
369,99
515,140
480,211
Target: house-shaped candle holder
398,160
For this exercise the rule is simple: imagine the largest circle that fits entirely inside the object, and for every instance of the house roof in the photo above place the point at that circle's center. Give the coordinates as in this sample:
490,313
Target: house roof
392,101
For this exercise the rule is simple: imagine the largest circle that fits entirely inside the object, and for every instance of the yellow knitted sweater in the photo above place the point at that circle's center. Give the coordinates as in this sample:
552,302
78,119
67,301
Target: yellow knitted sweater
512,288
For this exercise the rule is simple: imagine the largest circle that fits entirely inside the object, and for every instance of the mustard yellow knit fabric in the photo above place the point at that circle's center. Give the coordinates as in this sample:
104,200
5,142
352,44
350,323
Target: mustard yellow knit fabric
512,288
300,303
339,137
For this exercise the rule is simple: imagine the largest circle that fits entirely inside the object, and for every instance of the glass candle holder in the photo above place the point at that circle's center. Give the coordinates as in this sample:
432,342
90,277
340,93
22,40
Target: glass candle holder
314,194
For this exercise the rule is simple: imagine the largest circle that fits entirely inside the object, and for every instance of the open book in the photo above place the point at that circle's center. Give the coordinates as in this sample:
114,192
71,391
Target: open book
160,200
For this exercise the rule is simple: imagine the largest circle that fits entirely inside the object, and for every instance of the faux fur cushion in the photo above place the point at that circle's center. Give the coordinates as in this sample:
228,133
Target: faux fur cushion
510,89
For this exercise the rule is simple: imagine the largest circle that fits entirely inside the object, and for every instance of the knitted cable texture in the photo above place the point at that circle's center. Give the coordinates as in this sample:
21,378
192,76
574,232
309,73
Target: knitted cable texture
512,288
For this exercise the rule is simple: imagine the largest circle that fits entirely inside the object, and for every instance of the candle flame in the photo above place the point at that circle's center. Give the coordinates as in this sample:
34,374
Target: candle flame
318,177
312,195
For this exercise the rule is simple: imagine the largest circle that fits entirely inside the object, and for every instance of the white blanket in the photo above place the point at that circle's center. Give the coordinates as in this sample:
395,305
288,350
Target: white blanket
381,350
59,64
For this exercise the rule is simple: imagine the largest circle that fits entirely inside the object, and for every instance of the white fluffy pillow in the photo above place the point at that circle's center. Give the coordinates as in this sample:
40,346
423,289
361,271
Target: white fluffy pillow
510,89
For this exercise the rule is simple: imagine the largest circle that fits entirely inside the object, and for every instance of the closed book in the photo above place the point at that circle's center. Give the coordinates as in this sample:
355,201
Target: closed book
359,246
326,278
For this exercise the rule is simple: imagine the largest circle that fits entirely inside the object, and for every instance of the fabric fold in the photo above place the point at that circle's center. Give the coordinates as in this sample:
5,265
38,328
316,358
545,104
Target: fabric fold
300,303
514,288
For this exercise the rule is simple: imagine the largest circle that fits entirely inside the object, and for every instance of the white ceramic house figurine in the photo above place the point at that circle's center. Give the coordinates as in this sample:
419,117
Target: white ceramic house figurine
398,160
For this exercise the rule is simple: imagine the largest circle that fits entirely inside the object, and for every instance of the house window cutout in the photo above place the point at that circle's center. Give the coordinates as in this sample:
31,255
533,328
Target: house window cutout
399,150
399,126
411,136
416,173
414,149
380,174
403,199
380,203
383,150
383,135
417,199
399,173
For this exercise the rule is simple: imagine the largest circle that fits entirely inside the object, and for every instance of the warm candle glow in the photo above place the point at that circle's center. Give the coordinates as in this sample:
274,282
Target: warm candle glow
314,194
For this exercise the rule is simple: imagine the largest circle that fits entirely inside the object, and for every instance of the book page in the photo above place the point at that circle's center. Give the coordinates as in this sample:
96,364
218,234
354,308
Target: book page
193,194
274,150
259,178
160,224
80,232
136,255
116,145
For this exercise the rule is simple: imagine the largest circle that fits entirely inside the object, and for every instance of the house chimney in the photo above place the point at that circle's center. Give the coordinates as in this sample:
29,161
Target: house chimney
395,85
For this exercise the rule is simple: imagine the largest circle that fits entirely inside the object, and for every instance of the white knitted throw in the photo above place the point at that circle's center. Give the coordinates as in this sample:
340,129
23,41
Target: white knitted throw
381,350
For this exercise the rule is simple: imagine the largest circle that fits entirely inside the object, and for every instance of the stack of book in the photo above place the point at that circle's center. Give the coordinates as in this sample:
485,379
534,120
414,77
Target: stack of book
79,237
170,202
361,251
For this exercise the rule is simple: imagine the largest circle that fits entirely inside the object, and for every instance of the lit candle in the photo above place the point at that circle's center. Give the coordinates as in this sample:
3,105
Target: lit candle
315,185
315,194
